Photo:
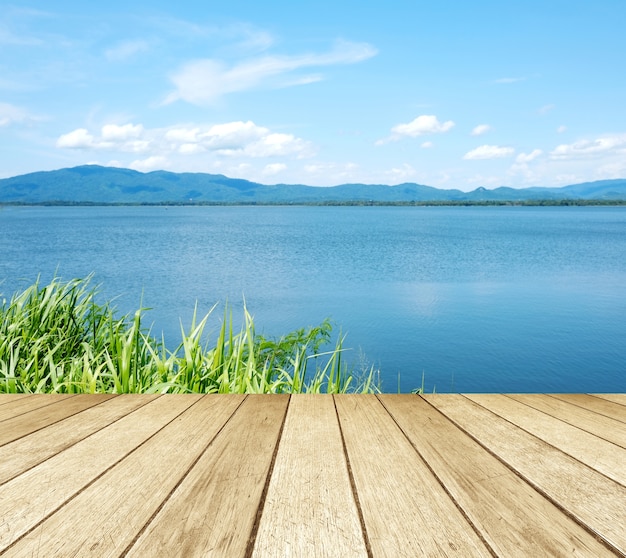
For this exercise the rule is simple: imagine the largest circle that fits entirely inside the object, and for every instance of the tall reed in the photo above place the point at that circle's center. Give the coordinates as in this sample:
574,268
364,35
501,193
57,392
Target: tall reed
58,338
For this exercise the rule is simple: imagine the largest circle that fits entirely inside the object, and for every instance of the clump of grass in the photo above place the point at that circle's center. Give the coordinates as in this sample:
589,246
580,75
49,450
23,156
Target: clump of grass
58,339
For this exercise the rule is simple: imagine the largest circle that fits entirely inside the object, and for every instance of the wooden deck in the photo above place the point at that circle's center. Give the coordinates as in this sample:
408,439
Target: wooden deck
313,475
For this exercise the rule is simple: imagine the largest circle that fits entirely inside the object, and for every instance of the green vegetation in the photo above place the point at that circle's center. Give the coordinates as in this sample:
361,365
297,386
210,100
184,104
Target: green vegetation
58,339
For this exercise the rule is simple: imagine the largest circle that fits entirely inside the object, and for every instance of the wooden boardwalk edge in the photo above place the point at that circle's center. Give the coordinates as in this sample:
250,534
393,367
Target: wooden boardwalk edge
313,475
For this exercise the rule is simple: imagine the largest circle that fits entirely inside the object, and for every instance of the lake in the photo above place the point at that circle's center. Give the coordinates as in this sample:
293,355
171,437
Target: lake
475,299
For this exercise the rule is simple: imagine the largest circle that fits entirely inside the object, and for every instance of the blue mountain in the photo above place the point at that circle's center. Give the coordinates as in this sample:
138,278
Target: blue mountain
97,184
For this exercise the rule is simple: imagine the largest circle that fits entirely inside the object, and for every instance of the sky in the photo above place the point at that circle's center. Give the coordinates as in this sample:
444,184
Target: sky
449,94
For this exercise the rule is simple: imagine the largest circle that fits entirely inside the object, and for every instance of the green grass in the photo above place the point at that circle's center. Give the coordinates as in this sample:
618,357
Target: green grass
58,339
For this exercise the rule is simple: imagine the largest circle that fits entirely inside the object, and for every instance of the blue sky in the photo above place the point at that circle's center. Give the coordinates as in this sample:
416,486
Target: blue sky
450,94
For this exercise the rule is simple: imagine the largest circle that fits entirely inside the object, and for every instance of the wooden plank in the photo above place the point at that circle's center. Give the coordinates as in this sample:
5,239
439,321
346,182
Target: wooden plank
590,497
215,507
24,453
619,398
20,405
10,397
594,403
598,454
28,498
114,509
310,509
61,407
599,425
405,510
511,516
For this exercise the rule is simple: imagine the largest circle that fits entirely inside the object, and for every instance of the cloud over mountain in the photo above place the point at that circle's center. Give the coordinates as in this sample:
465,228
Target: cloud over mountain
422,125
489,152
599,147
227,139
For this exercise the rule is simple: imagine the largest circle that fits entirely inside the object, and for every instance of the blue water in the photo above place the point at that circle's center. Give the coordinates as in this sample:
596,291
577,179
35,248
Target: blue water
475,299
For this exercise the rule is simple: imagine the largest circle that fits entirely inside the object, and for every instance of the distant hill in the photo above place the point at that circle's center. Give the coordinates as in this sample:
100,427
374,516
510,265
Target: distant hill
96,184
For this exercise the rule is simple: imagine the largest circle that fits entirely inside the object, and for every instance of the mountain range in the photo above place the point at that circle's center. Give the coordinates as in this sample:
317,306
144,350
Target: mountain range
97,184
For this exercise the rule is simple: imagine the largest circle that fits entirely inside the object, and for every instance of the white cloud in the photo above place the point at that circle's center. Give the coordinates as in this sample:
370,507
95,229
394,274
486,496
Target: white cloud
426,145
278,145
304,80
615,169
331,174
125,50
313,169
11,114
154,162
481,129
528,157
185,134
237,138
425,124
401,174
274,168
202,82
190,149
232,135
240,37
489,152
230,139
113,132
522,172
112,137
522,169
561,129
568,178
77,139
422,125
601,147
485,180
138,146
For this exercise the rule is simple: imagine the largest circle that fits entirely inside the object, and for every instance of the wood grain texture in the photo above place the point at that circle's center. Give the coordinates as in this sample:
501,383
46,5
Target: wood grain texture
599,426
17,405
58,407
594,403
216,505
347,475
619,398
26,452
511,516
310,509
11,397
104,518
37,492
587,448
405,509
592,499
